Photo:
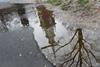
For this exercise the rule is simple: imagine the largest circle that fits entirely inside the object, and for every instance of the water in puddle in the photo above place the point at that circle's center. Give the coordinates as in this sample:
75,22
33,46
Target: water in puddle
55,34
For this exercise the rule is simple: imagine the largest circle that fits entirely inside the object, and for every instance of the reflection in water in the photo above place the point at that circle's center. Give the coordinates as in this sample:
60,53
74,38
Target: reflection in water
9,18
48,32
21,13
14,19
80,52
47,23
10,22
3,25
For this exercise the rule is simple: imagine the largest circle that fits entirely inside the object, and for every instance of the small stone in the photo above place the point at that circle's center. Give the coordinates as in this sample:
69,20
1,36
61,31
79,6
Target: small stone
22,39
20,54
30,52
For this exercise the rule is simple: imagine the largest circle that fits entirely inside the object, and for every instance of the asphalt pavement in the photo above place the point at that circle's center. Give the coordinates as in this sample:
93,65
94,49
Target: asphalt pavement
18,48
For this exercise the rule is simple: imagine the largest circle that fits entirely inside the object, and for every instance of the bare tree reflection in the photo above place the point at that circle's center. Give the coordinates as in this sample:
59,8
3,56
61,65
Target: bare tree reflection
80,54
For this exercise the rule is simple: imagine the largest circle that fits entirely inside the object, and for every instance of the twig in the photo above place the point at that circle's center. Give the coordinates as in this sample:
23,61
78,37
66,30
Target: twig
49,46
85,61
77,62
81,50
88,56
73,49
93,54
73,58
67,43
86,41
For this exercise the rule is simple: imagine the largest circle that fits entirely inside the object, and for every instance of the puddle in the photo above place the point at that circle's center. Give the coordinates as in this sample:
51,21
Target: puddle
57,33
48,36
45,34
